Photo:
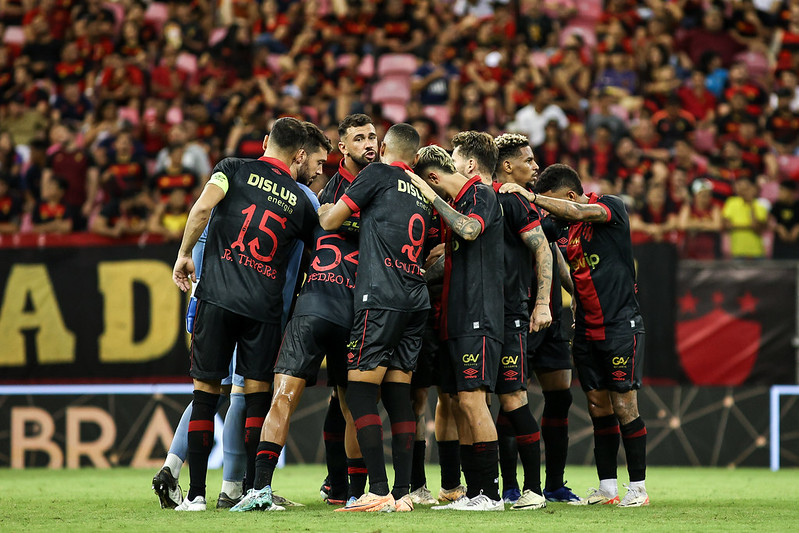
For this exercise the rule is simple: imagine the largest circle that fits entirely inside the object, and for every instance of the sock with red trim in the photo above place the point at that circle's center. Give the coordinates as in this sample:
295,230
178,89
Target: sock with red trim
265,463
449,459
506,438
634,438
606,445
201,440
362,401
486,460
528,440
397,401
555,433
257,408
356,468
335,454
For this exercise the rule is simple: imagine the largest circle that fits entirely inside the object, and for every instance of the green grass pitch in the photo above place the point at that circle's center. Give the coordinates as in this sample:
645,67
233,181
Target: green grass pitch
683,499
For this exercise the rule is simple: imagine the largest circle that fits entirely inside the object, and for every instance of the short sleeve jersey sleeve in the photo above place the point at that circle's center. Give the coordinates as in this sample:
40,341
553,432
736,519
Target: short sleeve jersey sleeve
616,212
523,217
479,206
222,172
364,188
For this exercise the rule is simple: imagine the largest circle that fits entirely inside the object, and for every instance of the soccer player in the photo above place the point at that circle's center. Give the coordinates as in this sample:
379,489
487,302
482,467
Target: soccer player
548,350
391,306
471,315
477,153
608,346
320,325
258,210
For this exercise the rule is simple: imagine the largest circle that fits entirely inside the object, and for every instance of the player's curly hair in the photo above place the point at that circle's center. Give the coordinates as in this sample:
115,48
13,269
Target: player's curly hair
433,158
509,145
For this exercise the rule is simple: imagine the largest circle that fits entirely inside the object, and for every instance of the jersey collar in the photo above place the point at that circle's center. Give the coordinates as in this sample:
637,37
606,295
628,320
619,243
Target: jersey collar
346,174
401,165
475,179
592,198
276,162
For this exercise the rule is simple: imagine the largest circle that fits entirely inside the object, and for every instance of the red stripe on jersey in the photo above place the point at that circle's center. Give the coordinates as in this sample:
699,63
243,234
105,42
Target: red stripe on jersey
531,226
475,179
480,220
484,358
201,425
521,356
584,285
368,420
276,162
403,427
254,422
352,205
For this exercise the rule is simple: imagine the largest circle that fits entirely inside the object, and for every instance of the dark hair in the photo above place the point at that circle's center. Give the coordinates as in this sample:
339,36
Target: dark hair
556,177
403,139
788,184
509,145
316,139
288,134
356,120
62,183
479,146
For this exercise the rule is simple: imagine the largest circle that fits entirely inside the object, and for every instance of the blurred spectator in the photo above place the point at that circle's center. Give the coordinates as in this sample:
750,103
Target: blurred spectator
710,36
121,216
531,119
696,99
22,122
655,220
68,161
10,157
604,116
125,174
701,222
785,218
728,168
170,215
36,174
673,123
436,82
745,218
10,206
782,125
195,158
175,176
598,157
619,73
553,149
51,214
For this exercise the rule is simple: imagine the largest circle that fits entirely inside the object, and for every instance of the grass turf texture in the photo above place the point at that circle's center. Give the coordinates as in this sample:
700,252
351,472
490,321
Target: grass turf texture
683,499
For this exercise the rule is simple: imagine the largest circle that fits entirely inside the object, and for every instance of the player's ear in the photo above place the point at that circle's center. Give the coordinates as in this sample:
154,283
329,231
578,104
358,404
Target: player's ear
415,159
382,151
433,177
266,141
507,166
300,156
342,148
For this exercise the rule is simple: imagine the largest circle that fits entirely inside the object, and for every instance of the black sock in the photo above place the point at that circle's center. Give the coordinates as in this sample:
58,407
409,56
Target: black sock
418,477
257,407
506,438
265,463
450,461
486,459
528,439
335,454
606,445
469,470
356,468
201,440
397,401
634,438
555,432
362,400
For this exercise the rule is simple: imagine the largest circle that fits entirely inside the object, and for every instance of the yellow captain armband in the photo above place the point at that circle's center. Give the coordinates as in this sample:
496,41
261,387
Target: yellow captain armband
220,180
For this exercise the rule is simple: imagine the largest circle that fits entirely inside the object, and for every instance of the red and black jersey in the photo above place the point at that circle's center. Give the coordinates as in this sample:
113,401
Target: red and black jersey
550,153
518,217
783,125
394,221
473,301
671,128
45,212
756,97
126,177
251,237
601,160
328,289
643,167
600,257
167,181
10,208
730,123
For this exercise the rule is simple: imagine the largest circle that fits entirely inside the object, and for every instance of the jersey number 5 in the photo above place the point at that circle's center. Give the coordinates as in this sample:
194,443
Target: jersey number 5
255,244
320,245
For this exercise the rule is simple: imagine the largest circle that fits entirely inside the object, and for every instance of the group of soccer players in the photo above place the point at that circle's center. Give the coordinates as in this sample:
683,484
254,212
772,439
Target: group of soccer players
421,268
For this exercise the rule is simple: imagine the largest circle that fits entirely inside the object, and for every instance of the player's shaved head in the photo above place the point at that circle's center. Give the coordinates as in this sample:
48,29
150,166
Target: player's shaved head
434,159
403,141
558,177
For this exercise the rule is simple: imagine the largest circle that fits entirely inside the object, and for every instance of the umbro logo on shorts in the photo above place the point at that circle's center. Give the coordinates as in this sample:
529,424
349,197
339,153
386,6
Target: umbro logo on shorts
470,373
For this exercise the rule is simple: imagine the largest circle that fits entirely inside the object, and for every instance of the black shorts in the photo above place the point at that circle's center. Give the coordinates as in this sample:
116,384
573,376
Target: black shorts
513,369
428,365
473,362
612,364
217,331
382,337
308,340
548,349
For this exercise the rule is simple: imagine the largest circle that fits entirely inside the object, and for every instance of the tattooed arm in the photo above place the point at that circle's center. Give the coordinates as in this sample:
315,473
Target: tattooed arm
563,271
563,209
465,227
537,242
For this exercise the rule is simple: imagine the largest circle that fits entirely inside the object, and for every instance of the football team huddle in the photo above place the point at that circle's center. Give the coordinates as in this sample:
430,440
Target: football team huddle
412,268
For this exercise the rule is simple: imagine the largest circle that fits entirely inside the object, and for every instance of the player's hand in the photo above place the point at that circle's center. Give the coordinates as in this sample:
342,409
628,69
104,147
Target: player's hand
426,190
434,254
324,208
183,273
541,318
508,188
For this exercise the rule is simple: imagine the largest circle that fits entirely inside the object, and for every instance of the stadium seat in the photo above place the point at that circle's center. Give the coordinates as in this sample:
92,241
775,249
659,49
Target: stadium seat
399,64
187,63
129,114
440,115
756,63
392,89
366,68
174,115
157,13
589,11
14,35
769,190
586,30
394,112
705,140
217,34
788,166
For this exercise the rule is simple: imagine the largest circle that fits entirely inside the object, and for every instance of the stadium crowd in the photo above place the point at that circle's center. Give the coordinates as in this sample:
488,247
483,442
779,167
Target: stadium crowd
112,112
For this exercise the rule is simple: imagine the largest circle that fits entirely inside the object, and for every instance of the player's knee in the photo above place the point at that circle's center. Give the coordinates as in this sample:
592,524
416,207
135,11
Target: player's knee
625,405
513,400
